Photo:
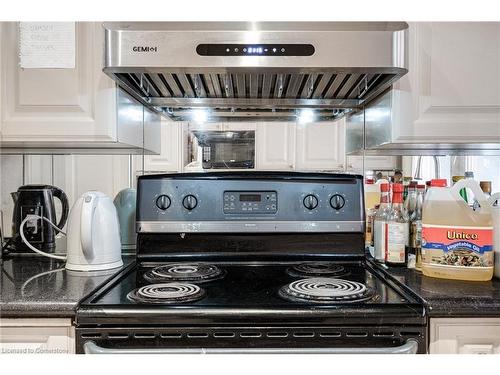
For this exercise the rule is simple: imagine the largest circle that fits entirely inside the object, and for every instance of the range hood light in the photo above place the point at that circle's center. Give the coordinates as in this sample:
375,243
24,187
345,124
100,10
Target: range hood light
306,116
200,115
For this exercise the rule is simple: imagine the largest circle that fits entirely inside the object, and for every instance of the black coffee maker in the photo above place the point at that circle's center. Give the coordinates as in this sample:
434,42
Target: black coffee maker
37,200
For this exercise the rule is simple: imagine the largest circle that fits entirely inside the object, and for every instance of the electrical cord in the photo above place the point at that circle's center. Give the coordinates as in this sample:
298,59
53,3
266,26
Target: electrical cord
21,232
23,287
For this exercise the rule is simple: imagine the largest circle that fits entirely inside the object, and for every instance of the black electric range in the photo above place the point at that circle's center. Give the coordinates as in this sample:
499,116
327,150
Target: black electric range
288,276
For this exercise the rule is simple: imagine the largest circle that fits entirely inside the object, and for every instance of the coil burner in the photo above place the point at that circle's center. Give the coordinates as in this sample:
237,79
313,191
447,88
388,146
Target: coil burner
317,269
326,290
192,272
167,293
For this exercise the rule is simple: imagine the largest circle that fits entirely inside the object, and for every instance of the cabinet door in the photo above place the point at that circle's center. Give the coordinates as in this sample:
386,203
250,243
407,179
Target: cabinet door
451,93
170,158
37,336
464,336
58,105
320,146
275,146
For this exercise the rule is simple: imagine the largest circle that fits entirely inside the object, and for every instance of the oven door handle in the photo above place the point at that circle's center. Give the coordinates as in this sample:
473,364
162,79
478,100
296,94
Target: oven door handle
409,347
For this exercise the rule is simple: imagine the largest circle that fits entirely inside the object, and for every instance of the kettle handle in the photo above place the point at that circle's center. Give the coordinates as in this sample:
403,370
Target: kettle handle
89,205
59,194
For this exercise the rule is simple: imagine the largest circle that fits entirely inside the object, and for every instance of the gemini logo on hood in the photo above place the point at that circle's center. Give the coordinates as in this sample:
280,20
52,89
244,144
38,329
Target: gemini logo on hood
144,49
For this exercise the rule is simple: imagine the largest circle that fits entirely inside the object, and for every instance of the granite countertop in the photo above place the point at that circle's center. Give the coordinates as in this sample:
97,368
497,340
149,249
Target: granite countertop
452,298
36,286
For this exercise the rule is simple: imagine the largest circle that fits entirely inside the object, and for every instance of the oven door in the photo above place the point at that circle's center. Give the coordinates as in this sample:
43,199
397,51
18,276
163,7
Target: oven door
253,340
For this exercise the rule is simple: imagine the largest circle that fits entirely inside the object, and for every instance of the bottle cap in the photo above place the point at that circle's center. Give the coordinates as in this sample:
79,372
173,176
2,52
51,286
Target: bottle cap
369,181
439,182
384,187
413,184
420,186
457,178
397,188
469,174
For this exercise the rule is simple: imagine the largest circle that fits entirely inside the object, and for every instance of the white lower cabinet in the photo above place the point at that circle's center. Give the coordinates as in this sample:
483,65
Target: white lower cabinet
37,336
464,336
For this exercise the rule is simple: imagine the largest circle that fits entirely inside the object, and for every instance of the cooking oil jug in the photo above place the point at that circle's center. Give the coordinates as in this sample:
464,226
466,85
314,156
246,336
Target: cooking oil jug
457,242
494,203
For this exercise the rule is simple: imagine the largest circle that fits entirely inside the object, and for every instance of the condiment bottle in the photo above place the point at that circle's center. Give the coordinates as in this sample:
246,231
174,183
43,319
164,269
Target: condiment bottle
415,248
379,223
397,230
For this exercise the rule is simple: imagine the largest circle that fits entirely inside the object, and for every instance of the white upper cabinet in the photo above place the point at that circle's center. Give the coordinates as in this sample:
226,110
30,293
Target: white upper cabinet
170,158
58,105
275,146
320,146
452,90
67,108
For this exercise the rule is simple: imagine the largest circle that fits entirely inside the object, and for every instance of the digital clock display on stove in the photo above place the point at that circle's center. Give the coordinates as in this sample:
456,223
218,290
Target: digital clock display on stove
250,197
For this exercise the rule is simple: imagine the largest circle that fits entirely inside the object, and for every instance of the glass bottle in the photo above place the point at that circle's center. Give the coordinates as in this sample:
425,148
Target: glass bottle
379,223
410,202
397,230
406,185
415,249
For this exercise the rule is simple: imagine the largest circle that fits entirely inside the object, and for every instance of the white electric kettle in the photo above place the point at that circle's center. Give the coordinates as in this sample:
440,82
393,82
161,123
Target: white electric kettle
93,234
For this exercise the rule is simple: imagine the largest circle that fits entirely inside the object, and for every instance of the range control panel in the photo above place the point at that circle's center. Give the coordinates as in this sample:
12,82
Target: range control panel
260,201
241,202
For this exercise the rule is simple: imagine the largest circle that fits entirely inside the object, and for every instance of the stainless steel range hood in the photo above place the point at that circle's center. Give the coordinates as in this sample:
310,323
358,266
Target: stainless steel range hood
244,71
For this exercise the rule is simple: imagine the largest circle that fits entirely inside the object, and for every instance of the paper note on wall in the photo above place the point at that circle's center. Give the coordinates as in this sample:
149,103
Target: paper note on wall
44,45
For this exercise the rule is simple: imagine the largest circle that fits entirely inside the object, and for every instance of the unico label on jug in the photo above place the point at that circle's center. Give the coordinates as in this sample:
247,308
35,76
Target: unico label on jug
457,246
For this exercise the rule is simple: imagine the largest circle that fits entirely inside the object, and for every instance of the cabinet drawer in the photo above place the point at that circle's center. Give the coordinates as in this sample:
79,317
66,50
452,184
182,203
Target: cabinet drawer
465,336
32,336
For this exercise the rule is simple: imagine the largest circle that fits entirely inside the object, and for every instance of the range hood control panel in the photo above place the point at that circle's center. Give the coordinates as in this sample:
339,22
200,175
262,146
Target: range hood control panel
255,49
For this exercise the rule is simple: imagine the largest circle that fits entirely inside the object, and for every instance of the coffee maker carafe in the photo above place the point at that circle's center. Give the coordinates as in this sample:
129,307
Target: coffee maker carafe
37,200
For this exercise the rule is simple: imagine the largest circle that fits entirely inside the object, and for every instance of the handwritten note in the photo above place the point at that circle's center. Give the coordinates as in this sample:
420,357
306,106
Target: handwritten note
45,45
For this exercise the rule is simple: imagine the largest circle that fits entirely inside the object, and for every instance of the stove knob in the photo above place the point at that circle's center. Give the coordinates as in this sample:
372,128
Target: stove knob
337,201
163,202
310,202
190,202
